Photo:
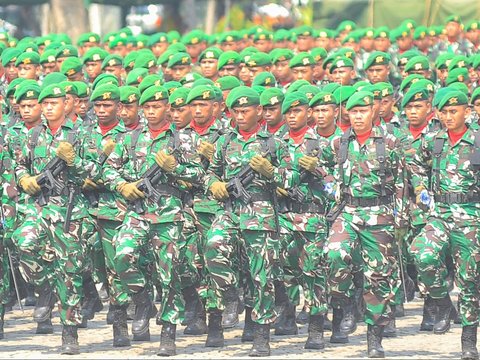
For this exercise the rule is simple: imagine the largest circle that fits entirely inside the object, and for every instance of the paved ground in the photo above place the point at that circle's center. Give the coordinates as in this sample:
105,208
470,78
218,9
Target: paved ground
21,342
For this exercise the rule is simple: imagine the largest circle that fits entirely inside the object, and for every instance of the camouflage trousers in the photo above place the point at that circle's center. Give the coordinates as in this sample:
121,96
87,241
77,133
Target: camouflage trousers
107,230
96,258
375,244
224,243
4,276
284,269
145,251
49,254
190,265
430,250
305,263
204,224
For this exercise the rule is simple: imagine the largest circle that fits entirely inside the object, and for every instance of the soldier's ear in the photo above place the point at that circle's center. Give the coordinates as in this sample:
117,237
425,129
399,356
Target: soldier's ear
259,110
468,111
309,112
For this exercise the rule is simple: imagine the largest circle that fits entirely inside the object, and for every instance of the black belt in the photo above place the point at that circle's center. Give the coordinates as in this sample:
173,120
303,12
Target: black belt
368,202
261,197
307,208
457,198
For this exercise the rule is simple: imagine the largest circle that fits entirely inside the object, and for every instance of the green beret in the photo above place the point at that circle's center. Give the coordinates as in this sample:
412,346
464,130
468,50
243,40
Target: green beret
420,33
69,88
453,98
423,84
159,37
190,78
117,41
259,59
440,94
345,52
475,61
229,36
472,25
129,60
323,98
228,82
242,96
377,58
154,93
475,95
28,58
281,35
82,89
53,78
443,60
359,85
171,86
112,60
346,25
178,98
90,37
105,92
228,58
27,47
318,54
459,61
297,84
136,76
109,37
193,37
368,33
165,57
309,90
173,36
304,30
95,54
323,34
301,59
248,51
409,80
361,98
453,18
460,86
181,58
458,74
129,94
271,97
374,89
210,53
419,62
281,55
51,91
150,80
343,93
10,55
145,60
415,95
66,51
406,56
48,56
382,32
341,62
203,81
27,92
264,78
13,86
409,23
104,79
330,87
264,35
352,37
71,66
293,100
400,32
202,92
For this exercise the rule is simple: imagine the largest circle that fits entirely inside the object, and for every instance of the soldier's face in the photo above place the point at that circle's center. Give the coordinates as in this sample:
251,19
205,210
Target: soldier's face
194,50
304,43
179,71
11,70
106,111
386,106
53,109
361,118
70,102
376,109
382,44
128,113
244,75
227,70
93,69
159,48
303,73
454,117
404,43
318,71
323,43
114,70
378,73
27,71
324,115
155,112
297,117
272,115
49,67
343,75
282,71
30,111
228,46
417,113
255,70
247,117
367,43
81,107
453,29
442,75
209,68
476,106
202,110
181,116
263,45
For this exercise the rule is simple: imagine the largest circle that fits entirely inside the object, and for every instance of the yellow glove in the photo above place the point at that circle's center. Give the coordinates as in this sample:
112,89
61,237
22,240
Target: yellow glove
166,162
65,152
282,192
219,190
206,149
130,191
309,163
262,166
29,185
185,184
109,146
89,184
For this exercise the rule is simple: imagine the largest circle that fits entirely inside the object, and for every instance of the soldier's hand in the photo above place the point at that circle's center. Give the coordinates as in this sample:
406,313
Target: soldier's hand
130,191
400,233
65,152
185,184
29,185
206,149
262,166
309,163
281,192
165,161
109,146
219,190
90,185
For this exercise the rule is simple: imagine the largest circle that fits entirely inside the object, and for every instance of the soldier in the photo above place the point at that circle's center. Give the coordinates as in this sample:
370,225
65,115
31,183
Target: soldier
325,111
369,191
302,67
228,64
446,184
271,101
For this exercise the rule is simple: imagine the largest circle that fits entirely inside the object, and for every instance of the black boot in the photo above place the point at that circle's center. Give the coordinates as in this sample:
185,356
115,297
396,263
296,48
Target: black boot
249,327
374,341
215,330
197,324
390,329
285,323
44,327
31,299
131,311
338,336
429,314
327,323
399,311
469,342
455,315
2,321
191,298
120,326
91,301
45,302
70,340
302,317
145,310
442,320
315,333
349,323
167,340
110,314
230,314
261,341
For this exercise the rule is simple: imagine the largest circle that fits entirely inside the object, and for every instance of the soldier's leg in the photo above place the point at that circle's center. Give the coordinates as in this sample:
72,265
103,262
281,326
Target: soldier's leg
4,285
205,221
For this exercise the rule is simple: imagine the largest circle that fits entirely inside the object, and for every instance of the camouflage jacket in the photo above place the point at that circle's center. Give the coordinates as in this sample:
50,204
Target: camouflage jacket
9,195
232,154
129,162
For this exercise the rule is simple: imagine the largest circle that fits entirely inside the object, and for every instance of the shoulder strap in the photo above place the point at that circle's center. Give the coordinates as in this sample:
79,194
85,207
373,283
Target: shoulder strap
2,142
133,143
228,138
381,157
436,158
312,146
270,148
34,141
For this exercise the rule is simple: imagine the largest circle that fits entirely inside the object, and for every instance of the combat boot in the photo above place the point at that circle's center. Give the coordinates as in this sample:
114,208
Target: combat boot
45,302
442,318
45,327
399,311
261,341
230,314
302,317
120,326
145,310
198,325
31,299
91,301
469,342
167,340
2,321
338,336
429,314
215,330
349,323
70,340
249,326
190,296
327,323
286,324
131,310
110,314
374,341
455,315
315,333
390,329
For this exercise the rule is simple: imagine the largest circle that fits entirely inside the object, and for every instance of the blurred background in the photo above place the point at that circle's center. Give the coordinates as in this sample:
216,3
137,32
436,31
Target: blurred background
39,17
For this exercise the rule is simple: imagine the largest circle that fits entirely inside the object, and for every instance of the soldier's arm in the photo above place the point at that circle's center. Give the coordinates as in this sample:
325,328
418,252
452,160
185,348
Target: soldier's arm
191,169
22,166
419,164
284,175
327,162
112,174
401,196
216,168
82,166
